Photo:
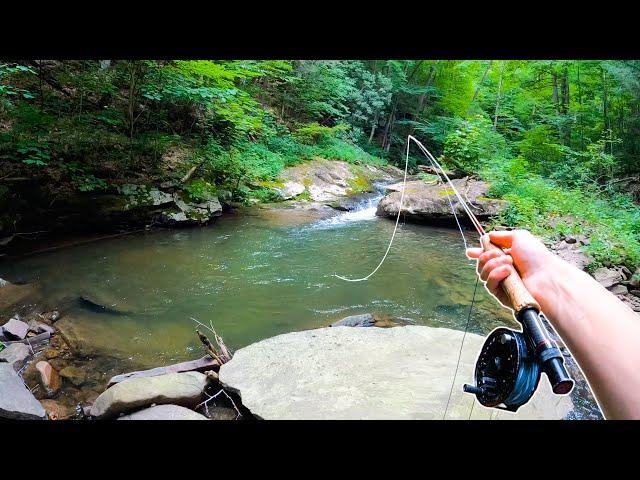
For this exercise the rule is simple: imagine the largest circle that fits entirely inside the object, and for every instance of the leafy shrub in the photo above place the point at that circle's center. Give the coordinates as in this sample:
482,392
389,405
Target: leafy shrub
612,222
313,132
199,190
474,144
33,153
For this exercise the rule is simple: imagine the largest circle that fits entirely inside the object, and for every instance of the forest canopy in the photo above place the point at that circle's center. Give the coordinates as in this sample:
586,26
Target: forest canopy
556,139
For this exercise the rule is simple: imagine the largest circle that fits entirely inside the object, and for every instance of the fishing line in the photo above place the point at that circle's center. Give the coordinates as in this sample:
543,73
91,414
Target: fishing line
395,228
464,336
437,167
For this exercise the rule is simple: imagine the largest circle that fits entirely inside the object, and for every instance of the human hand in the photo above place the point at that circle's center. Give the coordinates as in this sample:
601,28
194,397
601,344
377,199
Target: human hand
532,260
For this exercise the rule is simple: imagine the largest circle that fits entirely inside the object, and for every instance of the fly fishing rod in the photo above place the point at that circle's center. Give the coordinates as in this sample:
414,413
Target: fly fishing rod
511,362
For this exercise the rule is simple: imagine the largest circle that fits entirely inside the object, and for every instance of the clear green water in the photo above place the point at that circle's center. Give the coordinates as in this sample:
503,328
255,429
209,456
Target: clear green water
253,277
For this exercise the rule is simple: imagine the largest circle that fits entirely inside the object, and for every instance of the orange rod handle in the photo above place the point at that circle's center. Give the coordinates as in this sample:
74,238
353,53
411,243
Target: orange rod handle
513,286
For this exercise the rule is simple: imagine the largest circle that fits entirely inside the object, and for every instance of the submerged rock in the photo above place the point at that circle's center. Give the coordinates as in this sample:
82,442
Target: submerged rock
430,202
57,410
368,373
364,320
49,377
76,376
164,412
16,401
186,389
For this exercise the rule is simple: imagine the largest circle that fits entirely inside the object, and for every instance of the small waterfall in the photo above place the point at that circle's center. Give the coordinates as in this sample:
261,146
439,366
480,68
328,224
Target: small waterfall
364,210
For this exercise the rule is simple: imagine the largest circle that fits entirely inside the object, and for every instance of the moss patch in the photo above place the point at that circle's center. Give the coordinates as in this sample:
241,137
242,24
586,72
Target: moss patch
359,184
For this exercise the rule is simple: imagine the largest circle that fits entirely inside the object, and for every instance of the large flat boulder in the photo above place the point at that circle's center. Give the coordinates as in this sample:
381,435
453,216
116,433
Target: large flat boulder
164,412
16,401
369,373
185,389
429,202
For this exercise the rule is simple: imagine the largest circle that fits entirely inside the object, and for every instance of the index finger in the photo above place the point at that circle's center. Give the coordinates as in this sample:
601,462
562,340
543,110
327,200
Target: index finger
474,252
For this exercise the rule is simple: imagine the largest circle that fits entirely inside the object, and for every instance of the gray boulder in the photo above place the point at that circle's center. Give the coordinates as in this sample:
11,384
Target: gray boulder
571,253
429,202
619,290
363,320
16,401
368,373
164,412
186,389
290,190
608,277
328,180
15,354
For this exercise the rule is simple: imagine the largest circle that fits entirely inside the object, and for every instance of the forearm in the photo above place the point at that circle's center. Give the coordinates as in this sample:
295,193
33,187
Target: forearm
601,332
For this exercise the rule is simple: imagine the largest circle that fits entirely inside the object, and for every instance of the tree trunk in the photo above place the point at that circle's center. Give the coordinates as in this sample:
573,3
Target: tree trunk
566,126
387,127
132,96
605,102
484,76
565,91
554,95
495,117
374,125
580,126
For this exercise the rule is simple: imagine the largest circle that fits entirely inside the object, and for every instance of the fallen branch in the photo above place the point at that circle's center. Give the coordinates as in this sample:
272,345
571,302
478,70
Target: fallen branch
191,172
199,365
211,397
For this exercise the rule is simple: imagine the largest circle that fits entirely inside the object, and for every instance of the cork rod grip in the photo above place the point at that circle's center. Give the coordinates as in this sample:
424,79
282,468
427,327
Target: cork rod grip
513,286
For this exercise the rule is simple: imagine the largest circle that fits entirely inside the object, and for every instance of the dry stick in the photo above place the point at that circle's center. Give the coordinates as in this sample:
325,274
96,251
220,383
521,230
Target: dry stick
208,346
205,403
226,352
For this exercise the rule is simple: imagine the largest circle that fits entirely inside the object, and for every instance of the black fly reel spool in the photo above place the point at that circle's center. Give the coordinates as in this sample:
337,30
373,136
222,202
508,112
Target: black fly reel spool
510,364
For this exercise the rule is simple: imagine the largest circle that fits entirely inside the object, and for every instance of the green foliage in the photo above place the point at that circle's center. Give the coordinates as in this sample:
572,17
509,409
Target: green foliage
7,89
312,133
553,137
613,224
83,180
473,144
199,190
33,154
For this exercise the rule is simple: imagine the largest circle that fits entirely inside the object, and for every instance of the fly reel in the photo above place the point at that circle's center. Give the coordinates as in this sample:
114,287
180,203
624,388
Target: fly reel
510,364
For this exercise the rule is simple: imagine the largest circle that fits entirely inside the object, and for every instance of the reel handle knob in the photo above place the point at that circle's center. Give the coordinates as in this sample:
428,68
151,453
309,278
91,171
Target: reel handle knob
559,378
473,389
513,286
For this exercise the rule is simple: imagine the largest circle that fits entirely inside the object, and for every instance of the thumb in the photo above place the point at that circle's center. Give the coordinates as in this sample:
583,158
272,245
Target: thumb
502,238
